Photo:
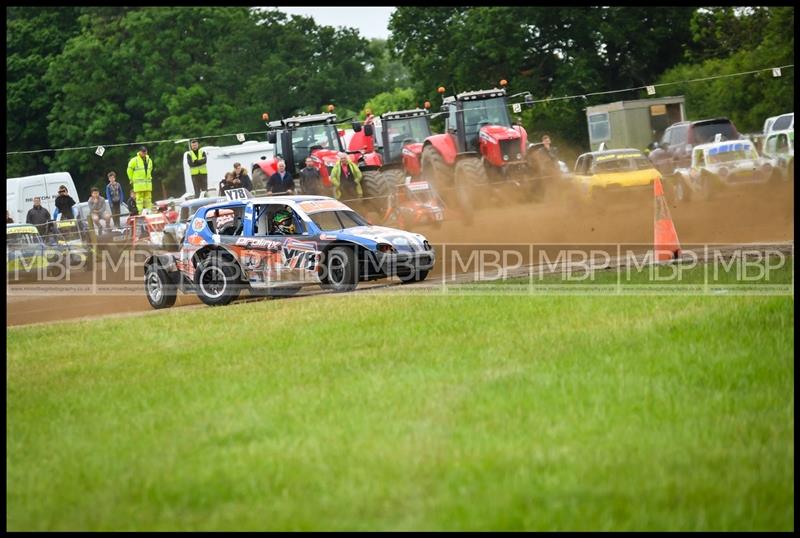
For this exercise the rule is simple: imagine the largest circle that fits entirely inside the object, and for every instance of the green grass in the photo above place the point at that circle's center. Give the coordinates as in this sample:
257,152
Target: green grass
408,412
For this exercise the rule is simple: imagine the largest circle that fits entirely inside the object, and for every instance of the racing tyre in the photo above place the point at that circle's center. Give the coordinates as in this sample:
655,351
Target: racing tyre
161,291
435,169
341,270
259,179
706,187
376,189
472,184
394,177
217,279
414,276
682,193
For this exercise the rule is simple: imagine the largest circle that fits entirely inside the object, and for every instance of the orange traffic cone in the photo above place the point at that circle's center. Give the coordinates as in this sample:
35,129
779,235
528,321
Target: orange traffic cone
665,238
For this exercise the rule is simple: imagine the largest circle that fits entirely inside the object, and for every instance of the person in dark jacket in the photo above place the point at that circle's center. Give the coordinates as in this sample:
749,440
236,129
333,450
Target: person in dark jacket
114,195
230,182
131,203
64,203
39,216
280,182
241,174
310,181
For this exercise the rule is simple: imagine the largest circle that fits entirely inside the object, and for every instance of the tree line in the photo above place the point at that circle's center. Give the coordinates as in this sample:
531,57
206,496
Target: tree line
83,75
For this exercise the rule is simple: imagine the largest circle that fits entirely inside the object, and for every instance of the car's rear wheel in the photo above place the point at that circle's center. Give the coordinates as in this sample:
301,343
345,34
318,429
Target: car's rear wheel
341,270
161,291
217,279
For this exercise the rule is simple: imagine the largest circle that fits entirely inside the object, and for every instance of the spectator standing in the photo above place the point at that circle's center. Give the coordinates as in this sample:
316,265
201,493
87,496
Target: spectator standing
114,195
310,181
280,182
198,167
140,174
64,203
346,179
241,175
133,209
39,216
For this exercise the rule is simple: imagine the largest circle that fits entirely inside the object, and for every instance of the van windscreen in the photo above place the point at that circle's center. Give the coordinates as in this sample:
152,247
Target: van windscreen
705,132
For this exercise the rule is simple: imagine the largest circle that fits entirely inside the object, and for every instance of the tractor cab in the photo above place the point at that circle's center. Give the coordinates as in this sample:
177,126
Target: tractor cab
299,137
401,131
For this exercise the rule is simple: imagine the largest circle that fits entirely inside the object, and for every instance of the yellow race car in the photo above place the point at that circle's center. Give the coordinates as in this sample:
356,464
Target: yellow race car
610,176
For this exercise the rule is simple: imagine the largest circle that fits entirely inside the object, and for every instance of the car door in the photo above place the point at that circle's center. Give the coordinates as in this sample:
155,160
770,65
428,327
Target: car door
275,259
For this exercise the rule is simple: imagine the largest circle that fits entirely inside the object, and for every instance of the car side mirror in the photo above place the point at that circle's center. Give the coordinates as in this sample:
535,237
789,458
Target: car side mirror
357,126
272,137
368,130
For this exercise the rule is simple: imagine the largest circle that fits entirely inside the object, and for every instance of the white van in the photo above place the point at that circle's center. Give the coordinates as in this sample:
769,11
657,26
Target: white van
784,122
20,192
221,159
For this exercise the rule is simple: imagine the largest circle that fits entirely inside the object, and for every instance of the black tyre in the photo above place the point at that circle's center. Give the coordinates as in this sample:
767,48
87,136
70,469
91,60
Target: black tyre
376,190
160,290
437,172
415,276
472,184
259,179
394,176
218,279
681,191
341,270
706,187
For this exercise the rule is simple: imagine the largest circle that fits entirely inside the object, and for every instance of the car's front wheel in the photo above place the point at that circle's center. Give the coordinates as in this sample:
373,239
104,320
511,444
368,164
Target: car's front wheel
161,291
341,270
217,279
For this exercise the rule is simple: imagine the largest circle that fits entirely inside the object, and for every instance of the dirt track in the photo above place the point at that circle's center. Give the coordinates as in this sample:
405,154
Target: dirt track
751,215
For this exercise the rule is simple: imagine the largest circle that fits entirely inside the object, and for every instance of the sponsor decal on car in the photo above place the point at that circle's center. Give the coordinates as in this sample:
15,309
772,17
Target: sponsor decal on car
312,206
198,224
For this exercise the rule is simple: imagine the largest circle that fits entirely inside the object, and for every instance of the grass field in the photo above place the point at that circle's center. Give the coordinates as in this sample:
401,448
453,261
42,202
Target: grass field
409,412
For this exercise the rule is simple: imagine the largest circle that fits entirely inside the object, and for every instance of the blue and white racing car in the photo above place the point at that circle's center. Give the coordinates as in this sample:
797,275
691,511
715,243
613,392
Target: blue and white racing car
275,245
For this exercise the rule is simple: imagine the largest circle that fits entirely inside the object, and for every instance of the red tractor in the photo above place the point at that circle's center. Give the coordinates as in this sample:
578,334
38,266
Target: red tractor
317,136
481,149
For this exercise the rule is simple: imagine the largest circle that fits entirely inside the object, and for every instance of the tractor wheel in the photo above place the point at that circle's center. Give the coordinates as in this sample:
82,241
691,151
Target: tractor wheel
218,279
472,184
161,292
394,176
259,179
376,190
436,170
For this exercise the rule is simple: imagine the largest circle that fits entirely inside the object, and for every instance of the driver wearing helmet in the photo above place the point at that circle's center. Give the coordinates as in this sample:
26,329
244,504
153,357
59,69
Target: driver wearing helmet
283,223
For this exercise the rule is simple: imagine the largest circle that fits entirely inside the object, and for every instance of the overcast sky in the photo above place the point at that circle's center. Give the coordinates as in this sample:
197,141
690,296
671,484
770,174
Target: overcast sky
369,21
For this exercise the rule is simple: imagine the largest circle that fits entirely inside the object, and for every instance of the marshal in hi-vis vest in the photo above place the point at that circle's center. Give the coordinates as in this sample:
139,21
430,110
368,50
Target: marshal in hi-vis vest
202,169
140,173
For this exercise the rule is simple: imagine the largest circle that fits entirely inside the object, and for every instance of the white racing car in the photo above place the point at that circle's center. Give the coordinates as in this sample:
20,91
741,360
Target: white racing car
278,244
